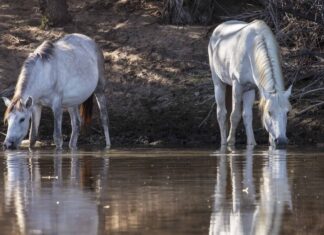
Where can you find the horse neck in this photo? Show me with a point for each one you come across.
(267, 63)
(28, 83)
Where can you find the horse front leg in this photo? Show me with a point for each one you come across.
(57, 136)
(221, 111)
(236, 112)
(35, 120)
(248, 100)
(75, 124)
(101, 99)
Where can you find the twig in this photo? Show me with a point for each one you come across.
(307, 92)
(96, 130)
(309, 108)
(244, 16)
(206, 100)
(193, 61)
(208, 115)
(8, 91)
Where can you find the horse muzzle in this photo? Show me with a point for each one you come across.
(280, 143)
(10, 145)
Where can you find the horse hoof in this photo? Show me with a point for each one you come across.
(73, 148)
(58, 148)
(231, 143)
(251, 143)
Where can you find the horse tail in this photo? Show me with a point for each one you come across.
(86, 111)
(228, 104)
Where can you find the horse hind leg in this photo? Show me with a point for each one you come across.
(101, 98)
(76, 124)
(102, 104)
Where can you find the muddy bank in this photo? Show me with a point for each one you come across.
(159, 86)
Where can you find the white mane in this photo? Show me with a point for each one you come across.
(267, 59)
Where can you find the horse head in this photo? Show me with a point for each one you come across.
(17, 116)
(275, 107)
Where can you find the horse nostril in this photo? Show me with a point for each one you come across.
(9, 145)
(281, 141)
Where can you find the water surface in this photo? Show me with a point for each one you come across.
(243, 191)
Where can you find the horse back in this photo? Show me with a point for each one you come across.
(231, 45)
(77, 67)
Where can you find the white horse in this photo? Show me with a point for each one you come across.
(58, 75)
(245, 56)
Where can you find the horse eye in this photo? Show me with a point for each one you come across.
(269, 113)
(21, 120)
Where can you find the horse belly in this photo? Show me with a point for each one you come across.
(77, 93)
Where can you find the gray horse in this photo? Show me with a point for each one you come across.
(59, 75)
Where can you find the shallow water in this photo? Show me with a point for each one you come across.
(241, 191)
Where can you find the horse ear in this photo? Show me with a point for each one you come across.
(6, 101)
(28, 102)
(288, 91)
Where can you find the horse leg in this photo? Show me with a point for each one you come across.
(33, 133)
(57, 136)
(248, 100)
(100, 96)
(102, 104)
(236, 112)
(75, 124)
(221, 110)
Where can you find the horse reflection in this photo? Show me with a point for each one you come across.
(241, 212)
(51, 200)
(274, 194)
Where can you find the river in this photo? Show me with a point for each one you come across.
(163, 191)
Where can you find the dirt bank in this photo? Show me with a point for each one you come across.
(159, 86)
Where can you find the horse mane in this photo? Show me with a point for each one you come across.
(267, 63)
(15, 102)
(43, 53)
(267, 60)
(280, 100)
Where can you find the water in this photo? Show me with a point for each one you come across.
(242, 191)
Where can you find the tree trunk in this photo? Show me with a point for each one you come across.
(175, 12)
(198, 11)
(55, 12)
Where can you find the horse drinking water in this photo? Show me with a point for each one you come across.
(245, 56)
(58, 75)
